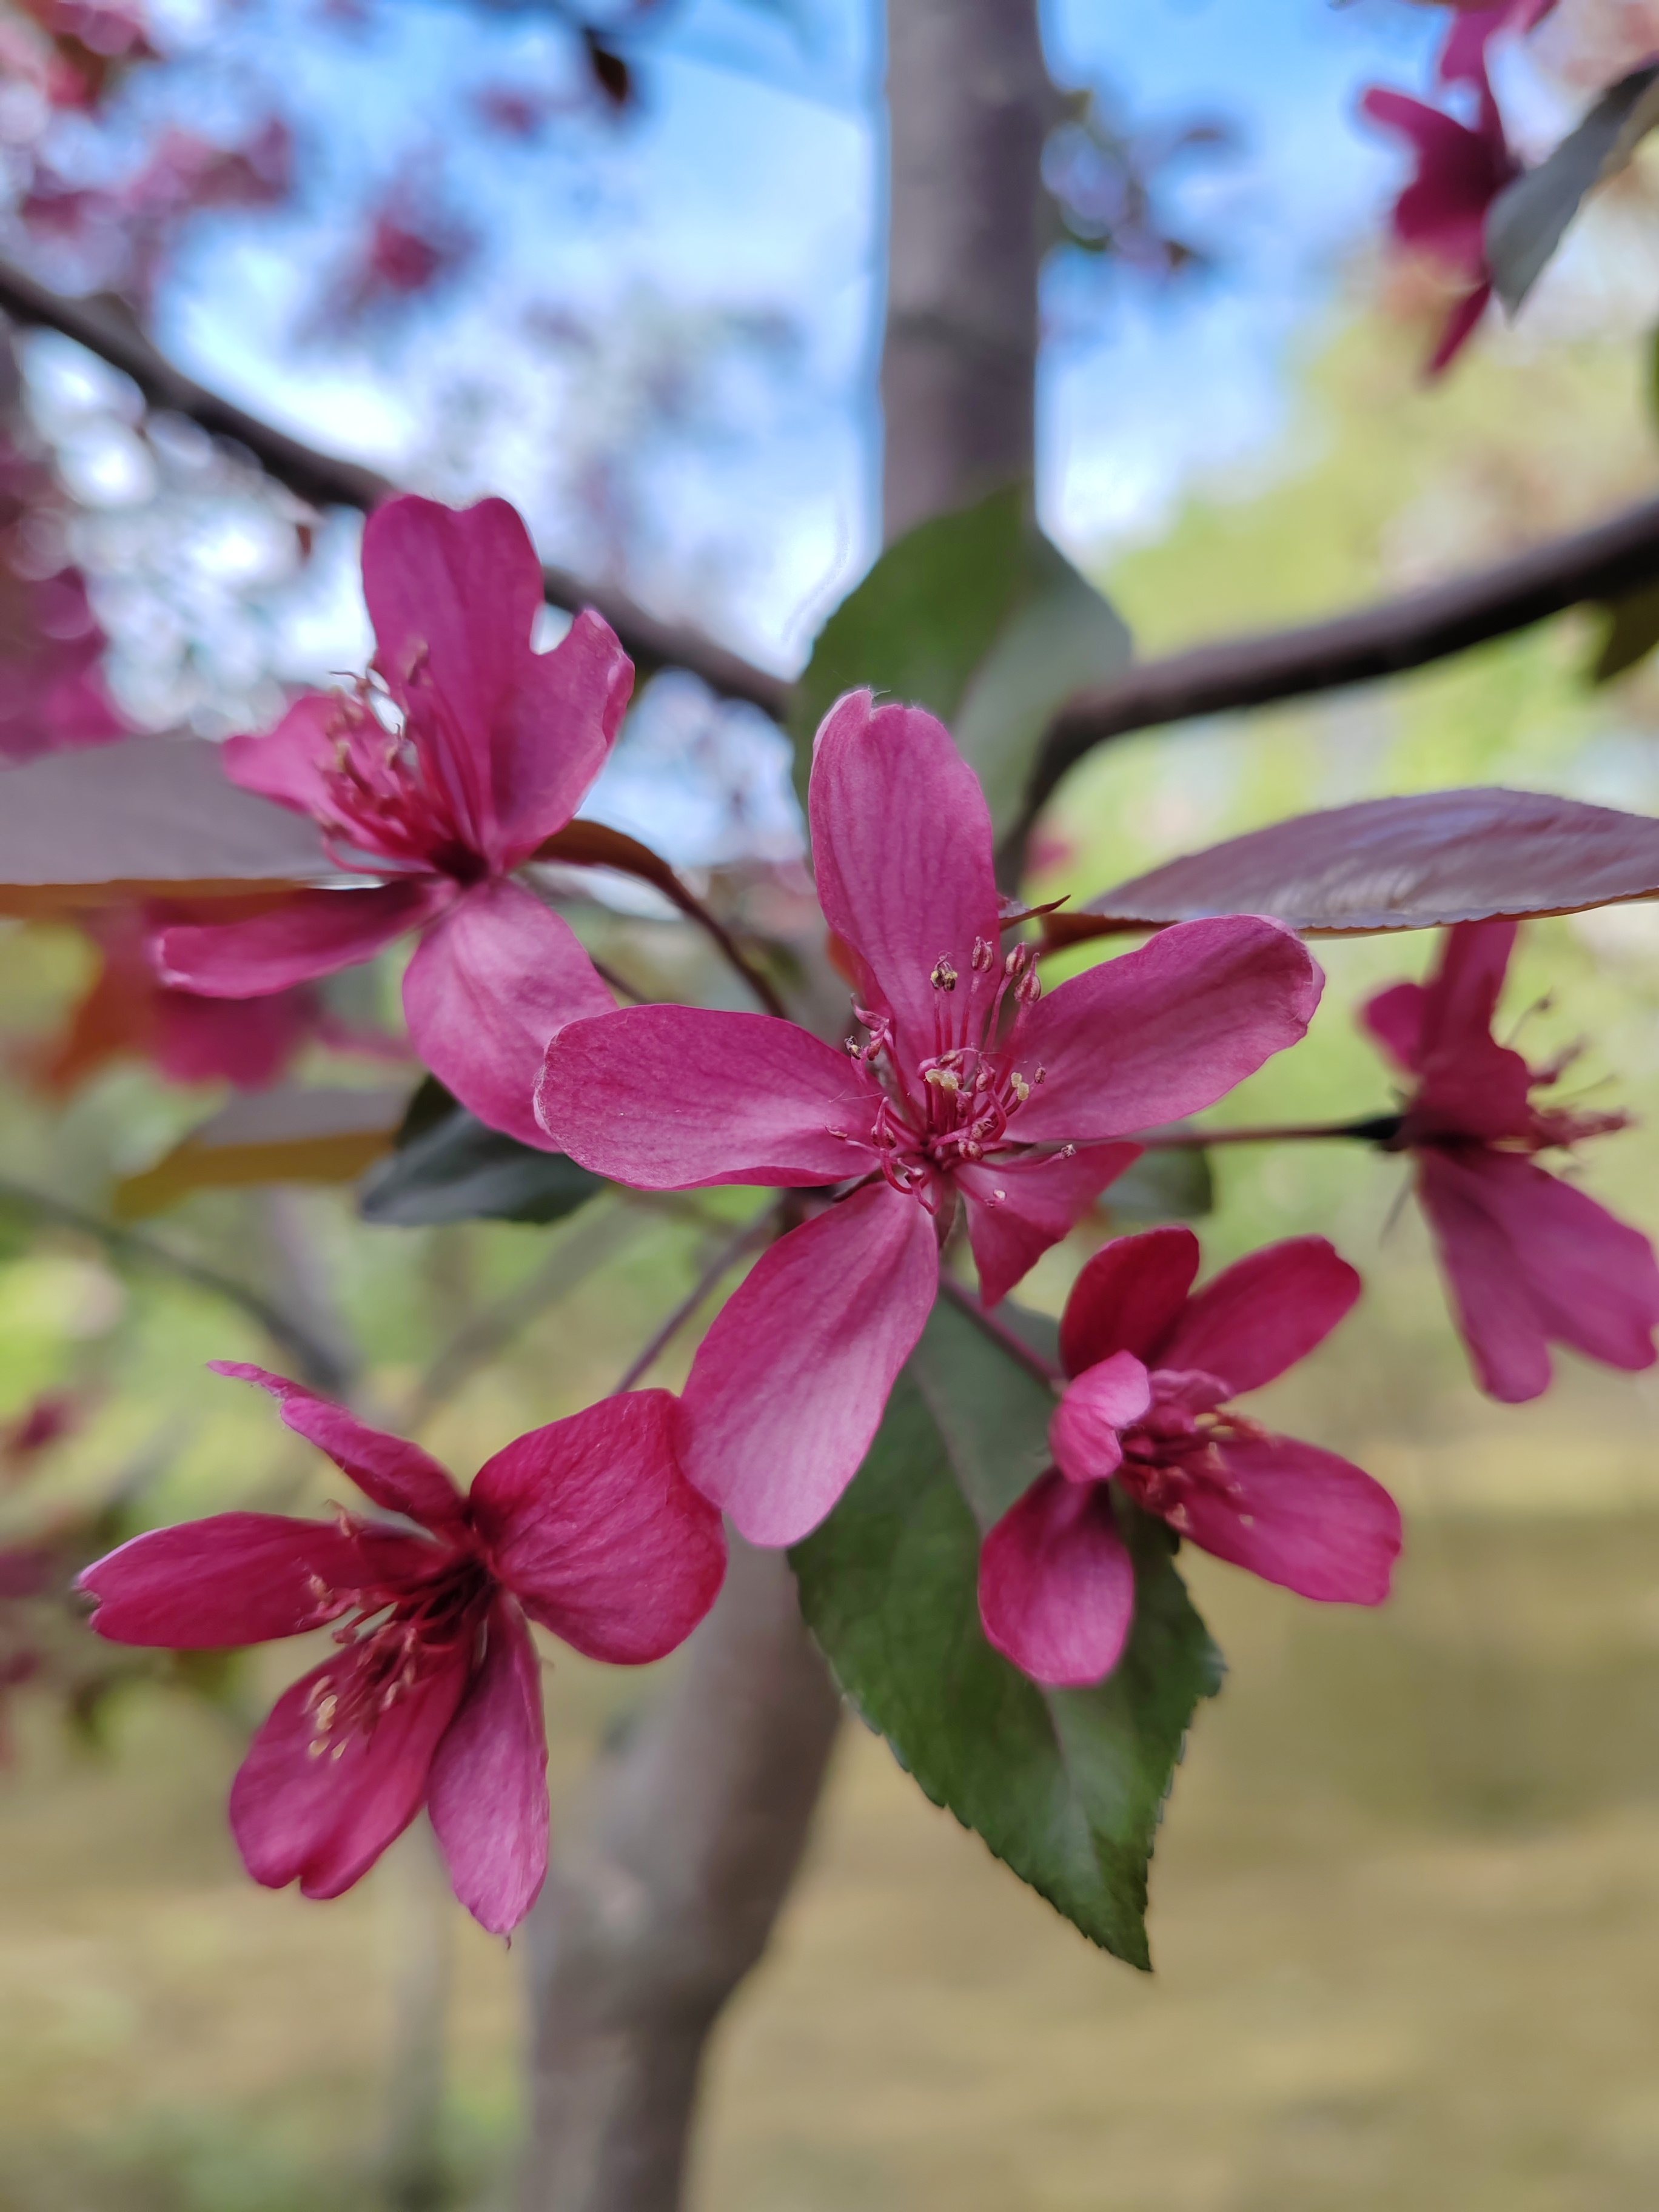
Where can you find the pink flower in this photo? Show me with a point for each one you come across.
(495, 748)
(434, 1697)
(1530, 1260)
(1442, 213)
(971, 1088)
(1154, 1367)
(1463, 57)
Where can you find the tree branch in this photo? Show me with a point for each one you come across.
(1604, 562)
(105, 326)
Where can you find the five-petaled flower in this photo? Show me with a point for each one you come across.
(434, 1697)
(1442, 214)
(970, 1085)
(1147, 1418)
(475, 750)
(1529, 1260)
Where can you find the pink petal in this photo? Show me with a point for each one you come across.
(453, 595)
(1300, 1517)
(553, 734)
(1462, 993)
(288, 763)
(1395, 1018)
(488, 989)
(1264, 1313)
(790, 1384)
(236, 1578)
(311, 934)
(323, 1818)
(675, 1097)
(395, 1474)
(1128, 1297)
(1471, 1085)
(247, 1042)
(1088, 1423)
(488, 1793)
(594, 1528)
(1459, 173)
(1496, 1312)
(1577, 1275)
(902, 853)
(1056, 1584)
(1018, 1208)
(1162, 1031)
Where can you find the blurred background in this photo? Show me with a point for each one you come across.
(627, 270)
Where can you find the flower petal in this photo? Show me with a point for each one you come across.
(488, 1793)
(453, 596)
(247, 1042)
(676, 1098)
(488, 989)
(1018, 1208)
(789, 1386)
(551, 736)
(1471, 1085)
(902, 850)
(1162, 1031)
(1105, 1401)
(288, 763)
(395, 1474)
(1128, 1297)
(1496, 1314)
(323, 1818)
(592, 1526)
(236, 1578)
(312, 935)
(1057, 1585)
(1301, 1517)
(1264, 1313)
(1395, 1017)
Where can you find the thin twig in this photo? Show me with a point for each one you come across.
(1375, 1129)
(757, 1231)
(1009, 1339)
(318, 1364)
(620, 984)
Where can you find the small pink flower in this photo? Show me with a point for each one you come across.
(434, 1698)
(970, 1088)
(1442, 213)
(1145, 1416)
(495, 747)
(1530, 1260)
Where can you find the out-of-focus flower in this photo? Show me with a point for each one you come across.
(53, 1416)
(971, 1088)
(1463, 57)
(493, 749)
(1442, 214)
(1530, 1260)
(85, 46)
(127, 1013)
(52, 693)
(1146, 1415)
(408, 246)
(587, 1528)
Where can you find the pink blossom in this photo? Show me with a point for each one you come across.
(1147, 1418)
(1442, 213)
(1530, 1260)
(496, 748)
(970, 1088)
(1463, 57)
(434, 1698)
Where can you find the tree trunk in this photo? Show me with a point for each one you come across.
(665, 1889)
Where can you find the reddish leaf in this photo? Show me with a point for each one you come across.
(151, 816)
(1416, 863)
(299, 1134)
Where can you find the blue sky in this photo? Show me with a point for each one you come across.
(752, 184)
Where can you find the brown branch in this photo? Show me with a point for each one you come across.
(1606, 562)
(1006, 1339)
(754, 1232)
(105, 326)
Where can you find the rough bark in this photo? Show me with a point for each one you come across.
(969, 103)
(665, 1895)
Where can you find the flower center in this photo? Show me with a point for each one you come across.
(1175, 1452)
(398, 1635)
(383, 797)
(952, 1106)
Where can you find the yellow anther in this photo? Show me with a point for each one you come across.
(944, 975)
(943, 1079)
(1020, 1087)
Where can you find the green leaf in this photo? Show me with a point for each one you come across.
(1631, 631)
(1171, 1183)
(978, 616)
(1066, 1786)
(1529, 218)
(450, 1166)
